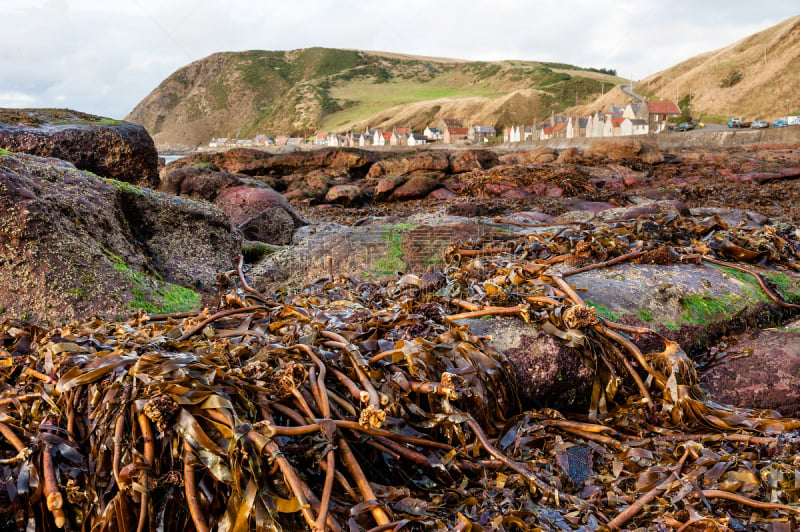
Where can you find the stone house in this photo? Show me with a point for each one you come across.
(446, 123)
(481, 134)
(658, 113)
(398, 137)
(456, 135)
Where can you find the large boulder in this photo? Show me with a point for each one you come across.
(538, 156)
(617, 150)
(73, 245)
(261, 213)
(196, 182)
(761, 371)
(547, 370)
(255, 162)
(409, 162)
(376, 248)
(236, 161)
(109, 148)
(466, 161)
(418, 186)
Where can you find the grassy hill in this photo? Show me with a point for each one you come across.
(301, 92)
(752, 78)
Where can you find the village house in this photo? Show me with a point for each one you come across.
(633, 126)
(218, 143)
(657, 115)
(357, 140)
(417, 139)
(612, 125)
(481, 134)
(377, 137)
(263, 140)
(456, 135)
(576, 127)
(445, 123)
(433, 134)
(399, 138)
(512, 134)
(559, 131)
(335, 141)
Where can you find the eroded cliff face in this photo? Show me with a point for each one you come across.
(109, 148)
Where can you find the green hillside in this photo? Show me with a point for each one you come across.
(301, 92)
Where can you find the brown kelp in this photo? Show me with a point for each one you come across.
(353, 405)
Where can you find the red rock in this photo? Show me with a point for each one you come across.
(406, 163)
(441, 194)
(505, 191)
(386, 185)
(767, 377)
(576, 204)
(343, 194)
(418, 186)
(465, 208)
(538, 156)
(546, 190)
(790, 172)
(466, 161)
(617, 150)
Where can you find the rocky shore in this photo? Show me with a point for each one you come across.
(688, 256)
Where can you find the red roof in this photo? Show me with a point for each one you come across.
(386, 134)
(404, 130)
(560, 126)
(616, 121)
(458, 130)
(663, 108)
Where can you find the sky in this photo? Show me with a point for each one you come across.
(104, 56)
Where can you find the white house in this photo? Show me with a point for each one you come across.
(432, 134)
(633, 126)
(417, 139)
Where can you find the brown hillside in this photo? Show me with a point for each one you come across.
(303, 92)
(766, 64)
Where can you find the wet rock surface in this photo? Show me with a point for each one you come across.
(108, 148)
(762, 370)
(74, 245)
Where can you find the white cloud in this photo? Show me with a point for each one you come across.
(104, 57)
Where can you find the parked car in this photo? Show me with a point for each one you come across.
(738, 123)
(685, 126)
(759, 124)
(779, 123)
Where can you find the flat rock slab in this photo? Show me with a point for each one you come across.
(370, 251)
(681, 301)
(761, 371)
